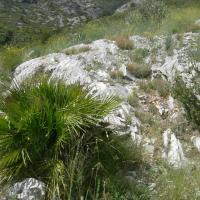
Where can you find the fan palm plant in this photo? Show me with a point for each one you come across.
(54, 133)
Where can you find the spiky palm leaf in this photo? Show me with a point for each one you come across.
(53, 132)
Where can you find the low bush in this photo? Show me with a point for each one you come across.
(5, 35)
(53, 132)
(124, 43)
(188, 97)
(139, 70)
(139, 55)
(116, 74)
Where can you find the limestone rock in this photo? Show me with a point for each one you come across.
(127, 6)
(118, 118)
(196, 142)
(173, 151)
(29, 189)
(171, 104)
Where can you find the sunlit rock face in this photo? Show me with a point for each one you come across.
(173, 151)
(100, 58)
(29, 189)
(196, 142)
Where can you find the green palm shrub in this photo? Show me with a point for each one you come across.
(53, 132)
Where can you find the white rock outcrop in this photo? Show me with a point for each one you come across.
(93, 66)
(173, 151)
(102, 57)
(29, 189)
(196, 142)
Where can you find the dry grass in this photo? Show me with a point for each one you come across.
(193, 28)
(139, 70)
(133, 99)
(124, 43)
(159, 85)
(116, 74)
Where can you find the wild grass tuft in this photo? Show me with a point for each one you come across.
(139, 70)
(159, 85)
(178, 184)
(139, 55)
(124, 43)
(116, 74)
(133, 99)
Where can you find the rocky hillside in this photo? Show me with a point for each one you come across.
(141, 70)
(22, 16)
(153, 118)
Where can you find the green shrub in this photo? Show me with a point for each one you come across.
(139, 55)
(54, 133)
(139, 70)
(188, 97)
(5, 36)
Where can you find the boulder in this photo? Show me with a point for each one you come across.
(173, 151)
(196, 142)
(29, 189)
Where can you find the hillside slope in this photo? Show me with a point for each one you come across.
(148, 57)
(27, 18)
(141, 75)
